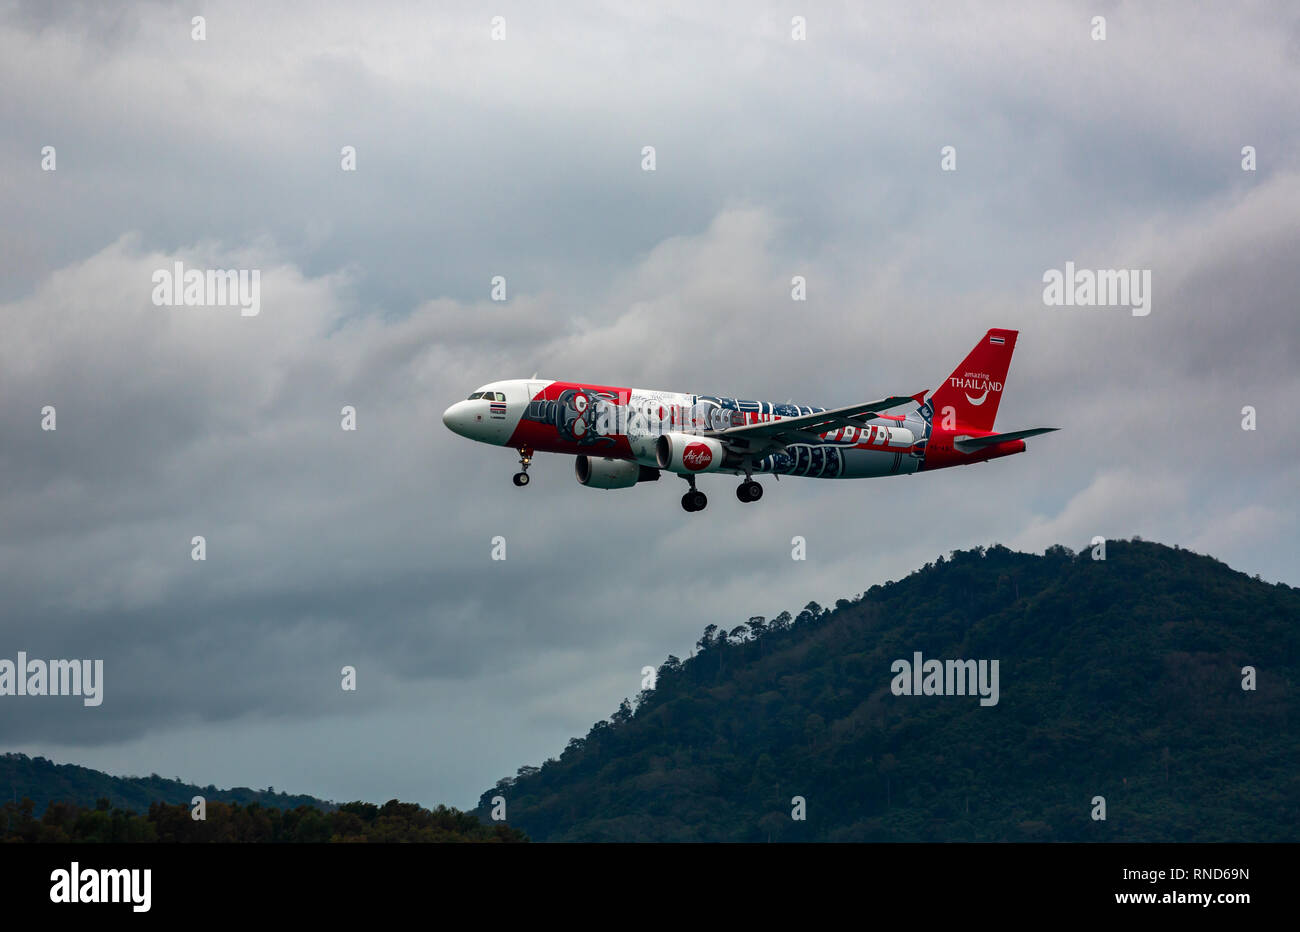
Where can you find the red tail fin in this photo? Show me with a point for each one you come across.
(969, 397)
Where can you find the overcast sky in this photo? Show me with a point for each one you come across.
(523, 158)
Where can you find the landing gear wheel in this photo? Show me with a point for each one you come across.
(694, 501)
(525, 460)
(749, 491)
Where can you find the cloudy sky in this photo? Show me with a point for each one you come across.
(523, 158)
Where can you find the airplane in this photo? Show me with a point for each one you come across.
(624, 436)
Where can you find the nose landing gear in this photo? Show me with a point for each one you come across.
(525, 460)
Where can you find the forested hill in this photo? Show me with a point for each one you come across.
(53, 803)
(43, 782)
(1118, 678)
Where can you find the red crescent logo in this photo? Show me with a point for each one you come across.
(697, 456)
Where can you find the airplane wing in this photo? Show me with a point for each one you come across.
(805, 428)
(971, 444)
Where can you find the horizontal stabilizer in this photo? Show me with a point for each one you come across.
(971, 444)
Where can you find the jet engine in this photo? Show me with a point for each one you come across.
(600, 472)
(691, 453)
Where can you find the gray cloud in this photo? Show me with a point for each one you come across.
(522, 158)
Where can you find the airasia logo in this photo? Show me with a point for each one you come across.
(697, 456)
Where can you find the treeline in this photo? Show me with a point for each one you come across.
(233, 823)
(44, 782)
(1121, 678)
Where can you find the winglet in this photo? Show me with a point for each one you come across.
(919, 397)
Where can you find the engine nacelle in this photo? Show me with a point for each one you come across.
(691, 453)
(599, 472)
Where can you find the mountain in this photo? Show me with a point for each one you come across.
(44, 782)
(1120, 678)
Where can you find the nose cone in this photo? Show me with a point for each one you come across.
(458, 419)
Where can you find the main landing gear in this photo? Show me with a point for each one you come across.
(694, 500)
(525, 460)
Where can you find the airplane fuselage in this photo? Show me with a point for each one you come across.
(623, 436)
(581, 418)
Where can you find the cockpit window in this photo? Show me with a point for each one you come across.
(501, 396)
(474, 396)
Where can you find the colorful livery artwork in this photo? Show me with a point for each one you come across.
(623, 436)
